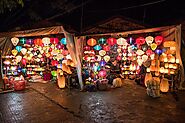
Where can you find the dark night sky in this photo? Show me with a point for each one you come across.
(68, 12)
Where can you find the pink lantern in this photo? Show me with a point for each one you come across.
(102, 73)
(23, 61)
(159, 40)
(118, 58)
(111, 41)
(140, 41)
(54, 40)
(59, 46)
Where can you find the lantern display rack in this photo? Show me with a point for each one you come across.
(33, 69)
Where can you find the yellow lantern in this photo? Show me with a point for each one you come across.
(175, 66)
(152, 56)
(170, 65)
(14, 52)
(165, 59)
(106, 58)
(172, 72)
(153, 46)
(166, 71)
(166, 65)
(172, 59)
(148, 70)
(148, 77)
(164, 86)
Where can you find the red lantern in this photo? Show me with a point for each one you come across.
(65, 52)
(149, 52)
(54, 62)
(23, 61)
(91, 42)
(118, 58)
(159, 40)
(50, 49)
(106, 47)
(87, 48)
(140, 41)
(111, 41)
(38, 41)
(54, 40)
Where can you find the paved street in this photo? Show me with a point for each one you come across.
(42, 103)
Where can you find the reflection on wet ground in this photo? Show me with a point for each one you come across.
(45, 102)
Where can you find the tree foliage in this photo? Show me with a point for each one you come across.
(8, 5)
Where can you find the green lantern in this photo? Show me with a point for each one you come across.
(22, 41)
(102, 41)
(54, 73)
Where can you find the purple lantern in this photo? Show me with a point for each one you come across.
(102, 63)
(158, 51)
(29, 41)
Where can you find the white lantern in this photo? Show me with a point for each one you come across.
(46, 41)
(122, 41)
(15, 41)
(177, 61)
(149, 40)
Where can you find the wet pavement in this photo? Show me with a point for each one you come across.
(42, 103)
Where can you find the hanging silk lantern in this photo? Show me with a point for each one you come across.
(97, 47)
(87, 48)
(106, 47)
(23, 61)
(102, 73)
(102, 41)
(18, 48)
(144, 58)
(140, 41)
(139, 52)
(54, 62)
(158, 51)
(23, 51)
(149, 40)
(102, 63)
(46, 41)
(14, 41)
(54, 73)
(169, 44)
(19, 69)
(63, 41)
(22, 41)
(144, 47)
(149, 52)
(158, 40)
(24, 70)
(14, 52)
(153, 46)
(102, 52)
(18, 58)
(91, 42)
(6, 62)
(130, 40)
(119, 50)
(122, 41)
(38, 41)
(148, 70)
(164, 85)
(98, 58)
(54, 40)
(111, 41)
(106, 58)
(118, 58)
(59, 46)
(161, 70)
(29, 41)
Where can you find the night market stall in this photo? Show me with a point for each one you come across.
(150, 56)
(38, 55)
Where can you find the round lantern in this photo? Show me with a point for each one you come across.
(59, 46)
(18, 58)
(23, 61)
(91, 42)
(158, 51)
(14, 41)
(122, 41)
(140, 41)
(139, 52)
(6, 62)
(164, 86)
(19, 69)
(24, 70)
(38, 41)
(106, 58)
(23, 51)
(98, 58)
(118, 58)
(149, 52)
(46, 41)
(106, 47)
(87, 48)
(14, 52)
(97, 47)
(54, 40)
(102, 52)
(29, 41)
(111, 41)
(102, 73)
(102, 63)
(22, 41)
(54, 73)
(153, 46)
(149, 40)
(158, 40)
(144, 58)
(54, 62)
(18, 48)
(161, 70)
(102, 41)
(63, 41)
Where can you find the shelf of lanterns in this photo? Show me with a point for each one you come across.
(34, 69)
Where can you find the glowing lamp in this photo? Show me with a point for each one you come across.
(87, 48)
(19, 69)
(111, 41)
(65, 52)
(169, 44)
(91, 42)
(59, 46)
(166, 65)
(18, 48)
(144, 58)
(102, 41)
(29, 41)
(46, 41)
(22, 41)
(54, 40)
(159, 40)
(38, 41)
(118, 58)
(175, 66)
(148, 77)
(177, 61)
(54, 73)
(106, 47)
(102, 52)
(164, 85)
(23, 51)
(54, 62)
(14, 52)
(172, 72)
(23, 61)
(170, 65)
(18, 58)
(158, 51)
(172, 59)
(6, 62)
(140, 41)
(98, 58)
(130, 40)
(102, 73)
(97, 47)
(122, 41)
(149, 40)
(165, 59)
(139, 52)
(149, 52)
(106, 58)
(153, 46)
(24, 70)
(14, 41)
(102, 63)
(161, 70)
(63, 41)
(148, 70)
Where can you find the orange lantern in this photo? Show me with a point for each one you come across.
(148, 77)
(92, 42)
(169, 44)
(38, 41)
(164, 86)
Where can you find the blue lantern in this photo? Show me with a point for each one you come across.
(158, 51)
(102, 41)
(63, 41)
(22, 41)
(18, 48)
(102, 63)
(97, 47)
(19, 69)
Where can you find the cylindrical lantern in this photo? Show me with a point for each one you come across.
(164, 86)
